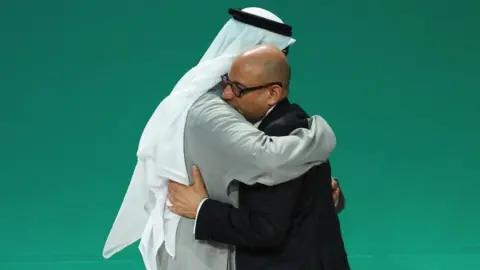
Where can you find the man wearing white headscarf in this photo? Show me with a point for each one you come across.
(195, 126)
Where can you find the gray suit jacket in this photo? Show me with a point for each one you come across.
(225, 147)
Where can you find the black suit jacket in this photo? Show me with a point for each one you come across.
(291, 226)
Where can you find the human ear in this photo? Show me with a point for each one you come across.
(274, 95)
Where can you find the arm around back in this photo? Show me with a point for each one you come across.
(256, 157)
(221, 222)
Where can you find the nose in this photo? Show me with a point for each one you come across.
(227, 93)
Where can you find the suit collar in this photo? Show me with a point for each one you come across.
(280, 109)
(260, 121)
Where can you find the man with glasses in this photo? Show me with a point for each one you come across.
(293, 225)
(237, 89)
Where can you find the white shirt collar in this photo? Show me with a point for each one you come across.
(259, 122)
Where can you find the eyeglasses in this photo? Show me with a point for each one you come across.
(239, 90)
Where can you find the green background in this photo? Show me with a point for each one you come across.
(397, 80)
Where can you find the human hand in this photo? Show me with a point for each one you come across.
(335, 191)
(186, 199)
(338, 198)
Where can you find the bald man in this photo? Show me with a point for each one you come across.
(289, 226)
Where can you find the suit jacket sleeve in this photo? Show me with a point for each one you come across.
(266, 227)
(254, 156)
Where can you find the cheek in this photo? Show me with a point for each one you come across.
(257, 102)
(247, 102)
(251, 107)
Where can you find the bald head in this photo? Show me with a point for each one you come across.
(265, 64)
(253, 83)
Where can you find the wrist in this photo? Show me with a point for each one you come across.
(199, 206)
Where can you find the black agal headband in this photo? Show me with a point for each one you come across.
(260, 22)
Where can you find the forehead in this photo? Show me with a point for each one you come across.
(245, 72)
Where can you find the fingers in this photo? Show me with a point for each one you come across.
(174, 196)
(174, 189)
(171, 198)
(334, 183)
(197, 177)
(335, 199)
(335, 192)
(176, 210)
(175, 186)
(171, 187)
(176, 204)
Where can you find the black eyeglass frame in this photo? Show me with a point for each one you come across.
(244, 90)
